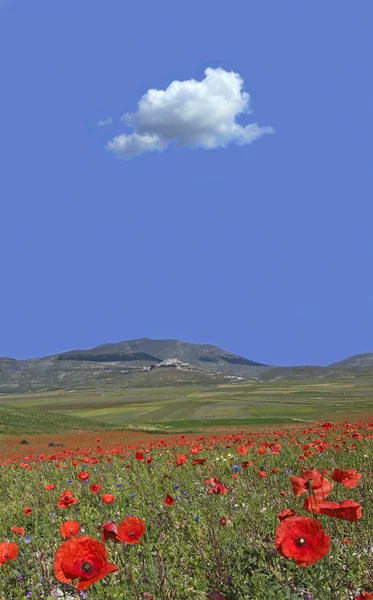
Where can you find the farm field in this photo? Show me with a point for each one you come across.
(285, 513)
(190, 408)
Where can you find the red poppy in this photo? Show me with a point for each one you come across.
(181, 460)
(275, 470)
(303, 539)
(69, 528)
(8, 551)
(365, 596)
(83, 475)
(169, 500)
(262, 474)
(108, 498)
(130, 530)
(74, 462)
(285, 514)
(27, 510)
(223, 521)
(139, 455)
(242, 450)
(96, 488)
(82, 557)
(50, 487)
(311, 479)
(348, 510)
(109, 531)
(198, 461)
(349, 478)
(19, 530)
(247, 463)
(66, 499)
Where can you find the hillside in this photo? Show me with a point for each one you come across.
(158, 363)
(143, 362)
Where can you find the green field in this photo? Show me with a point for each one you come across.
(189, 407)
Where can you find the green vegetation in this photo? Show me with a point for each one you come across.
(189, 407)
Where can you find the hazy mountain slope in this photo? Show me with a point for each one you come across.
(356, 361)
(117, 365)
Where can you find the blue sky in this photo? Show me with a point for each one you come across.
(263, 248)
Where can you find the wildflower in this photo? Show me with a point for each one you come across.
(27, 510)
(69, 528)
(19, 530)
(349, 478)
(288, 512)
(50, 487)
(109, 531)
(108, 498)
(169, 500)
(8, 551)
(84, 558)
(130, 530)
(66, 499)
(303, 539)
(83, 475)
(311, 479)
(96, 488)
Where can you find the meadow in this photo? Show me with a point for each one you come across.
(189, 408)
(227, 493)
(208, 510)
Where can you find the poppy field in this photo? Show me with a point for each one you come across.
(281, 514)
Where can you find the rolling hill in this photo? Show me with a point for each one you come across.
(157, 363)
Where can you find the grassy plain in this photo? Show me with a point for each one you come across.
(189, 408)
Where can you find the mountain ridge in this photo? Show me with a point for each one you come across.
(152, 362)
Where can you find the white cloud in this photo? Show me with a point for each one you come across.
(107, 121)
(198, 114)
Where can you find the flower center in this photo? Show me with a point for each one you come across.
(86, 567)
(6, 555)
(300, 542)
(131, 533)
(66, 498)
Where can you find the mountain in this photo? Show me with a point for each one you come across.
(357, 361)
(150, 363)
(144, 362)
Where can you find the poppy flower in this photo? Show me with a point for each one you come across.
(8, 551)
(50, 487)
(365, 596)
(181, 460)
(285, 514)
(348, 510)
(311, 480)
(74, 462)
(198, 461)
(275, 470)
(262, 474)
(69, 528)
(139, 455)
(349, 478)
(130, 530)
(83, 475)
(169, 500)
(247, 463)
(109, 531)
(303, 539)
(108, 498)
(242, 450)
(27, 510)
(19, 530)
(66, 499)
(82, 557)
(96, 488)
